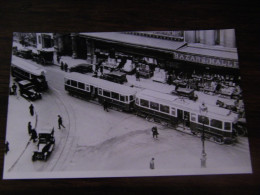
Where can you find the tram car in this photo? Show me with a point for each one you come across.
(87, 87)
(217, 123)
(46, 143)
(23, 70)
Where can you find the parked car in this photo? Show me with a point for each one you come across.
(46, 143)
(24, 53)
(116, 77)
(43, 57)
(184, 92)
(27, 90)
(82, 68)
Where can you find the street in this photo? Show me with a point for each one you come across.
(95, 140)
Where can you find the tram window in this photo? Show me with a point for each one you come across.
(174, 111)
(216, 123)
(126, 98)
(99, 91)
(144, 103)
(106, 93)
(203, 119)
(115, 96)
(227, 126)
(193, 117)
(154, 105)
(87, 88)
(131, 98)
(137, 101)
(164, 108)
(81, 85)
(67, 82)
(122, 98)
(73, 83)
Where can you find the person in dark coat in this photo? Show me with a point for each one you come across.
(14, 87)
(60, 122)
(152, 164)
(31, 108)
(65, 67)
(105, 105)
(155, 132)
(137, 75)
(6, 147)
(29, 128)
(33, 135)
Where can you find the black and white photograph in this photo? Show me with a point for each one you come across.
(125, 104)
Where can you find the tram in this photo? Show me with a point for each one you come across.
(217, 123)
(91, 88)
(23, 70)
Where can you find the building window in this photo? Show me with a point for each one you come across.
(197, 36)
(217, 37)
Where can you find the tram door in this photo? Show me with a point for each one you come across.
(94, 92)
(180, 115)
(187, 118)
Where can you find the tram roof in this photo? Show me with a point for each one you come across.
(186, 105)
(104, 84)
(30, 68)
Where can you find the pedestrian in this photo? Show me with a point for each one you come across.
(14, 87)
(33, 135)
(137, 75)
(152, 164)
(155, 132)
(29, 128)
(65, 67)
(105, 105)
(31, 108)
(6, 147)
(60, 122)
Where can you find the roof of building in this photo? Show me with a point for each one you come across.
(135, 40)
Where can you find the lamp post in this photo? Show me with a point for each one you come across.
(203, 111)
(203, 153)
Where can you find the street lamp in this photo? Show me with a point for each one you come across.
(203, 111)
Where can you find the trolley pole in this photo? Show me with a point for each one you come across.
(203, 153)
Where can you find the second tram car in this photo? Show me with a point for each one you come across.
(89, 87)
(23, 70)
(217, 123)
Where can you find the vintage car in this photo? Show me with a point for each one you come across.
(43, 57)
(24, 52)
(27, 90)
(46, 143)
(82, 68)
(116, 77)
(184, 92)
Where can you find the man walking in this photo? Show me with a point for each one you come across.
(155, 132)
(14, 87)
(60, 122)
(29, 128)
(6, 147)
(33, 135)
(31, 108)
(105, 105)
(152, 164)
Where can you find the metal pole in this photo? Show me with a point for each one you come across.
(203, 154)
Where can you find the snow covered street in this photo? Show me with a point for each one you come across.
(113, 142)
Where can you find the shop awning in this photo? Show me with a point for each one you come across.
(134, 40)
(208, 55)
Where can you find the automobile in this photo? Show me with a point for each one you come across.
(116, 77)
(24, 52)
(43, 57)
(46, 143)
(82, 68)
(185, 92)
(27, 90)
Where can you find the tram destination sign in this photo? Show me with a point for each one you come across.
(215, 61)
